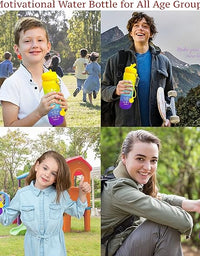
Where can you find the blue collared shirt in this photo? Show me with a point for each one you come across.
(43, 218)
(6, 68)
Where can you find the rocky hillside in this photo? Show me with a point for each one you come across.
(111, 35)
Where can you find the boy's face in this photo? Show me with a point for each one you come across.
(33, 46)
(141, 32)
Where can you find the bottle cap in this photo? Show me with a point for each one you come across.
(131, 69)
(50, 75)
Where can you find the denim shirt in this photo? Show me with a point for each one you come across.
(43, 218)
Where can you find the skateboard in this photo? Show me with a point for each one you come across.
(163, 106)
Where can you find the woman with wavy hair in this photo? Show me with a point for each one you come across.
(136, 220)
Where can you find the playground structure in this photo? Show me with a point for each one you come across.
(78, 166)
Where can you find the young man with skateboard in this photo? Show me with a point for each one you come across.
(154, 70)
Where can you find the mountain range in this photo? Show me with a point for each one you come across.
(185, 76)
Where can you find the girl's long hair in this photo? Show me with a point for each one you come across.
(150, 188)
(63, 181)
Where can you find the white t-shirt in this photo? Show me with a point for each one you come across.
(80, 65)
(21, 90)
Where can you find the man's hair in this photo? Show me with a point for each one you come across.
(25, 24)
(138, 16)
(7, 55)
(83, 52)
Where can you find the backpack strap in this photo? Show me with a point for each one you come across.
(123, 56)
(117, 230)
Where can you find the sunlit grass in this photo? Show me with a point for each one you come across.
(78, 242)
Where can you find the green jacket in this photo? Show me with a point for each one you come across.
(123, 197)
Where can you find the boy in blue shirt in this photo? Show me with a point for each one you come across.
(6, 67)
(154, 71)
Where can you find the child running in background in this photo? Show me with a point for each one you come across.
(22, 97)
(6, 67)
(79, 67)
(92, 84)
(42, 203)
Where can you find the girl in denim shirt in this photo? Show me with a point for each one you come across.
(42, 204)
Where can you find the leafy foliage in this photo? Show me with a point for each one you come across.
(13, 151)
(84, 31)
(7, 20)
(188, 108)
(179, 161)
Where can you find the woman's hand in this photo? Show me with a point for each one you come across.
(191, 205)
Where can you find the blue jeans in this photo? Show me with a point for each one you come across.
(80, 83)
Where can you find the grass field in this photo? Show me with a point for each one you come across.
(79, 114)
(78, 242)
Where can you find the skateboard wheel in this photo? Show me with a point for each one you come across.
(174, 119)
(172, 93)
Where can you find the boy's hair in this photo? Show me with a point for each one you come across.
(83, 52)
(138, 16)
(63, 181)
(7, 55)
(94, 56)
(145, 137)
(25, 24)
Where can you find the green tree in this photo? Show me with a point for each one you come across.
(14, 148)
(84, 31)
(81, 139)
(111, 141)
(188, 108)
(50, 140)
(7, 20)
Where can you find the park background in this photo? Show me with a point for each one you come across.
(178, 169)
(68, 32)
(20, 148)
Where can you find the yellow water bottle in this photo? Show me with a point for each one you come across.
(130, 74)
(50, 83)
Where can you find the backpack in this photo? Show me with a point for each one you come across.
(108, 108)
(108, 175)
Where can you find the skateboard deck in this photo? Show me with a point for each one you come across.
(161, 103)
